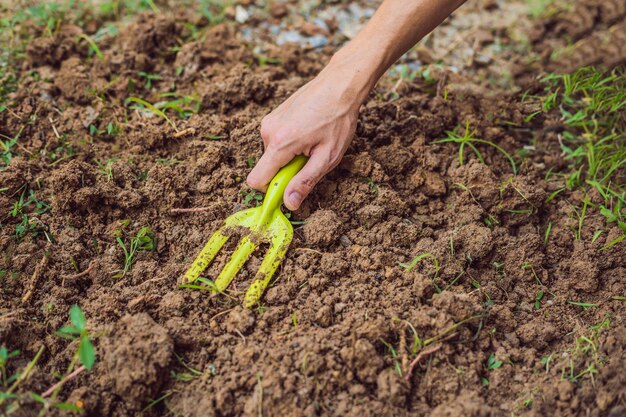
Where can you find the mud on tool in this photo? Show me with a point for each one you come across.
(266, 224)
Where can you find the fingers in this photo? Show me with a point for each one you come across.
(267, 167)
(304, 181)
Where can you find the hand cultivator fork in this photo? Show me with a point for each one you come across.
(266, 224)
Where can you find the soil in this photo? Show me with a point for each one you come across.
(334, 334)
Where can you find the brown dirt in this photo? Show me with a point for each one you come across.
(320, 342)
(590, 32)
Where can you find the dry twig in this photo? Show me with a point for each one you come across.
(418, 358)
(65, 379)
(35, 277)
(190, 210)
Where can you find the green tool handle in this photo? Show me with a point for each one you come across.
(275, 190)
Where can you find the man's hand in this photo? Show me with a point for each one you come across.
(320, 118)
(317, 121)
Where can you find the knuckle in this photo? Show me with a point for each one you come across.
(279, 140)
(266, 127)
(282, 136)
(253, 182)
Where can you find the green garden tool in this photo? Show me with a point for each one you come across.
(267, 224)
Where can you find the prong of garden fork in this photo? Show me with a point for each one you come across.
(237, 260)
(281, 233)
(213, 246)
(205, 256)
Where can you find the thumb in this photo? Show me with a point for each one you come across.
(303, 183)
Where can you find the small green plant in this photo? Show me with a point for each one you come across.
(27, 224)
(393, 353)
(7, 149)
(584, 305)
(207, 285)
(370, 183)
(5, 355)
(420, 347)
(149, 78)
(12, 382)
(146, 106)
(546, 236)
(189, 375)
(93, 46)
(263, 60)
(419, 258)
(184, 105)
(144, 240)
(492, 363)
(252, 196)
(106, 168)
(468, 139)
(167, 161)
(78, 331)
(538, 299)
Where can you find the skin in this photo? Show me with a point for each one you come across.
(319, 120)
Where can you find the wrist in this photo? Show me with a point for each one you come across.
(356, 70)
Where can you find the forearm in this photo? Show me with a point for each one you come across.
(395, 27)
(319, 120)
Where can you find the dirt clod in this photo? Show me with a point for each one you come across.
(136, 355)
(322, 228)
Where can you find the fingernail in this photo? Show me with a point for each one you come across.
(295, 198)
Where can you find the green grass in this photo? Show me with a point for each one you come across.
(409, 266)
(5, 356)
(468, 139)
(23, 209)
(106, 168)
(146, 106)
(6, 147)
(591, 106)
(93, 46)
(144, 240)
(8, 392)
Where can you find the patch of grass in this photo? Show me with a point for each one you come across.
(467, 138)
(93, 46)
(21, 210)
(539, 8)
(5, 356)
(144, 240)
(106, 168)
(592, 108)
(146, 106)
(584, 359)
(149, 78)
(7, 149)
(184, 105)
(16, 379)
